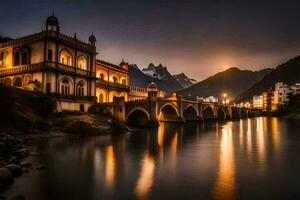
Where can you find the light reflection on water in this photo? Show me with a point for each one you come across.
(245, 159)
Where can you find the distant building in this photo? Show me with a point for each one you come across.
(210, 99)
(59, 65)
(268, 101)
(137, 93)
(140, 93)
(258, 102)
(113, 81)
(282, 95)
(296, 89)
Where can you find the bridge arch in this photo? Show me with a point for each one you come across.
(221, 114)
(138, 116)
(168, 112)
(235, 113)
(244, 114)
(208, 113)
(227, 112)
(190, 113)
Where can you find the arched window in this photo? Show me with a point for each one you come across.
(115, 79)
(7, 82)
(65, 87)
(101, 97)
(24, 60)
(17, 58)
(1, 59)
(102, 76)
(124, 81)
(18, 82)
(82, 62)
(66, 57)
(27, 79)
(80, 89)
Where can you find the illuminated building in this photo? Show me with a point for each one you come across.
(54, 63)
(258, 101)
(140, 93)
(268, 101)
(210, 99)
(113, 81)
(282, 95)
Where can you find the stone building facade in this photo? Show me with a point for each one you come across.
(57, 64)
(112, 81)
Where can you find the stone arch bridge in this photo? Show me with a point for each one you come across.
(149, 112)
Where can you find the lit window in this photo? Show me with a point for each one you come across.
(80, 89)
(82, 63)
(65, 87)
(66, 57)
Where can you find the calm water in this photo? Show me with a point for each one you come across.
(248, 159)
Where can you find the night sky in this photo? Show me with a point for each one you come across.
(199, 38)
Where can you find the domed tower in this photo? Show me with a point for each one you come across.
(124, 65)
(92, 40)
(52, 23)
(152, 91)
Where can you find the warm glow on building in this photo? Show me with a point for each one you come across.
(258, 102)
(112, 81)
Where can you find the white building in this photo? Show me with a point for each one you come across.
(282, 94)
(296, 88)
(211, 99)
(258, 101)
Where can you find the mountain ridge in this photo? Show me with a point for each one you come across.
(232, 81)
(287, 72)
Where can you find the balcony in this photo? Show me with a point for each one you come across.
(21, 69)
(69, 69)
(107, 84)
(44, 65)
(73, 97)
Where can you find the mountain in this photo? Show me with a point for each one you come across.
(4, 39)
(232, 81)
(288, 73)
(184, 81)
(158, 74)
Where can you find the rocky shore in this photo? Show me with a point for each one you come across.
(16, 146)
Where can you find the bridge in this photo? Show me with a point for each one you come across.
(150, 111)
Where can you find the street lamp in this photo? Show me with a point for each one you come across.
(225, 100)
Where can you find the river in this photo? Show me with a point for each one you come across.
(256, 158)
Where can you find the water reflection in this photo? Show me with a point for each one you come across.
(235, 160)
(110, 167)
(145, 180)
(260, 142)
(225, 187)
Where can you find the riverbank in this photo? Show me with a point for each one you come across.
(27, 117)
(17, 145)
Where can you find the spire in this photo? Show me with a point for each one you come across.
(75, 36)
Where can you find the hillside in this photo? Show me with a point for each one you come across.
(232, 81)
(184, 81)
(22, 109)
(159, 74)
(288, 73)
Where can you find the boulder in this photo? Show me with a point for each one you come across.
(6, 177)
(80, 127)
(15, 169)
(41, 167)
(2, 163)
(25, 164)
